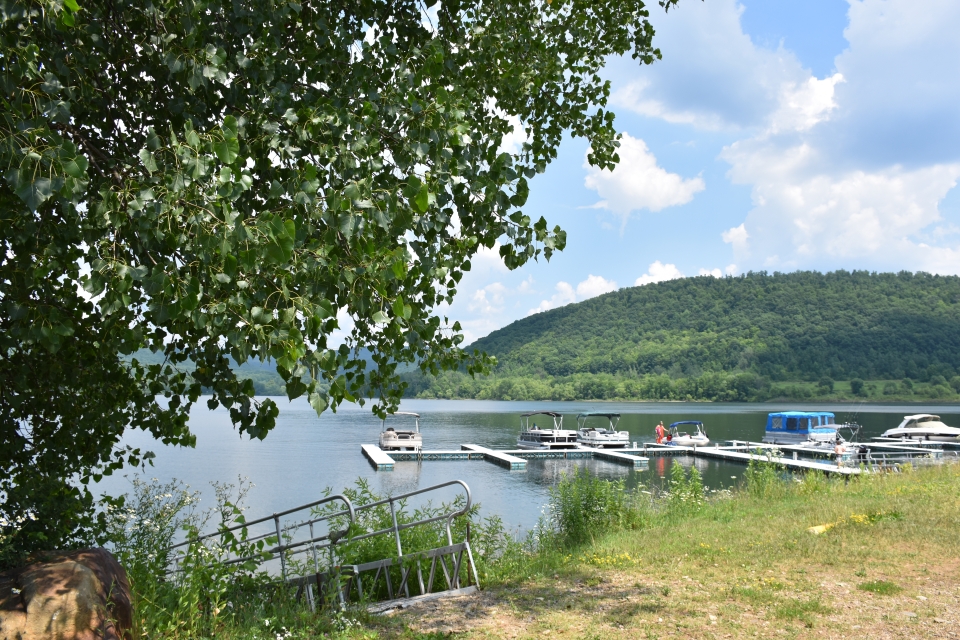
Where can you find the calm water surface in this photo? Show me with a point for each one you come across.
(306, 454)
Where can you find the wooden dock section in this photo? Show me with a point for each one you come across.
(377, 457)
(498, 457)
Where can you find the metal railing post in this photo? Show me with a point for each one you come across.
(283, 560)
(396, 528)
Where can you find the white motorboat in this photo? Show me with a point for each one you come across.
(601, 437)
(392, 439)
(687, 439)
(550, 437)
(923, 426)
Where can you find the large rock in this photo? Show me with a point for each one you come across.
(77, 595)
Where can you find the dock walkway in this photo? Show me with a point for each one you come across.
(377, 457)
(885, 454)
(498, 457)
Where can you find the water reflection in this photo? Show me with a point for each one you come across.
(306, 454)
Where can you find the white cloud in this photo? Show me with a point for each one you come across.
(716, 273)
(485, 260)
(737, 236)
(712, 76)
(731, 270)
(594, 286)
(658, 272)
(805, 104)
(565, 295)
(489, 299)
(638, 183)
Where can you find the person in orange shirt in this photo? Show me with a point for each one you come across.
(660, 432)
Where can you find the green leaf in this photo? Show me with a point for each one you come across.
(421, 202)
(35, 192)
(76, 167)
(319, 401)
(149, 162)
(71, 5)
(379, 317)
(227, 150)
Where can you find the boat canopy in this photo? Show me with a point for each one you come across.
(613, 418)
(696, 422)
(800, 421)
(416, 416)
(555, 416)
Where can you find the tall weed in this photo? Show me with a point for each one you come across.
(764, 477)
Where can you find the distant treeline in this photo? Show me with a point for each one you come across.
(716, 387)
(752, 337)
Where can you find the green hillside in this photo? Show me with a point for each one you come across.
(749, 337)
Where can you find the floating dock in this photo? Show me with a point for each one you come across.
(501, 458)
(881, 455)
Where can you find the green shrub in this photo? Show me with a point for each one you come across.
(583, 507)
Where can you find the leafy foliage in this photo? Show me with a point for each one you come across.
(216, 180)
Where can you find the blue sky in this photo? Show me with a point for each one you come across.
(774, 135)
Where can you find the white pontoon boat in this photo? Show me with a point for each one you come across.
(392, 439)
(601, 437)
(550, 437)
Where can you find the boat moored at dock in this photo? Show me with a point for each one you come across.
(923, 426)
(696, 437)
(552, 437)
(601, 437)
(392, 439)
(801, 427)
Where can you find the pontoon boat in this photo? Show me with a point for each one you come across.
(601, 437)
(401, 440)
(551, 437)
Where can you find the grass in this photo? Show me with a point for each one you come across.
(880, 587)
(744, 566)
(739, 565)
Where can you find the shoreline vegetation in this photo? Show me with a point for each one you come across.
(608, 562)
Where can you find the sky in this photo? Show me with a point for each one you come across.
(774, 135)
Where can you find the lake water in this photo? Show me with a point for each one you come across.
(305, 454)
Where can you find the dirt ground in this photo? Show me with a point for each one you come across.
(625, 604)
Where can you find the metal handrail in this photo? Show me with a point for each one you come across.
(333, 537)
(397, 528)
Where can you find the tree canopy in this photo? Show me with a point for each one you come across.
(785, 326)
(216, 179)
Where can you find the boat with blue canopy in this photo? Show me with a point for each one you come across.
(801, 427)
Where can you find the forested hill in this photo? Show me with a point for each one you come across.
(793, 326)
